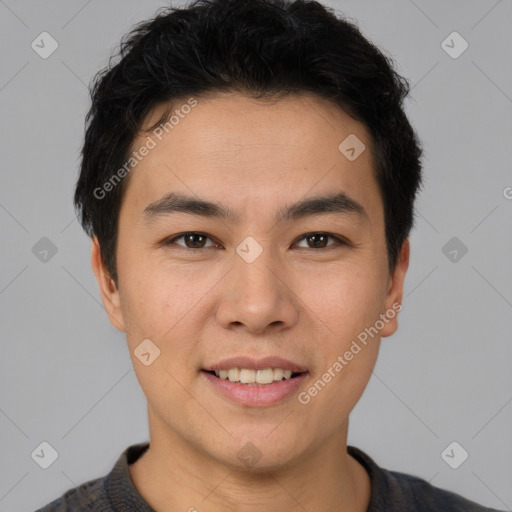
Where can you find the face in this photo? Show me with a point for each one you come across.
(286, 271)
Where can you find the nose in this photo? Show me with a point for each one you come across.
(258, 296)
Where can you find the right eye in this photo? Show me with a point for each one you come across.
(192, 240)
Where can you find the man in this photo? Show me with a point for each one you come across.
(248, 179)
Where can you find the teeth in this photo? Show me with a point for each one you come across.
(278, 374)
(265, 376)
(233, 374)
(246, 376)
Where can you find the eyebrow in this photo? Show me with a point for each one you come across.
(174, 202)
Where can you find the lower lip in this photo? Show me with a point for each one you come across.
(254, 395)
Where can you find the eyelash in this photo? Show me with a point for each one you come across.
(339, 240)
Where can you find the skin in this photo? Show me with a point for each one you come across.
(296, 301)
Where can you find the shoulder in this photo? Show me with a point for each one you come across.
(420, 495)
(88, 497)
(402, 492)
(114, 491)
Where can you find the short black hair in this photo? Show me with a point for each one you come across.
(264, 49)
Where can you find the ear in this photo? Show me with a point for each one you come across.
(395, 291)
(109, 292)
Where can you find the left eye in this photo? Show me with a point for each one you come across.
(196, 240)
(319, 240)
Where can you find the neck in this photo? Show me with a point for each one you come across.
(172, 475)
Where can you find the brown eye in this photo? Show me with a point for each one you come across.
(192, 240)
(317, 240)
(320, 240)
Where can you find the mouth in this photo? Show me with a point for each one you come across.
(255, 383)
(248, 376)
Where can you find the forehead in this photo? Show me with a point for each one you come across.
(241, 122)
(251, 153)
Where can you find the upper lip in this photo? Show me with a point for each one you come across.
(256, 364)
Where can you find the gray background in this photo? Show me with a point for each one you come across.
(65, 373)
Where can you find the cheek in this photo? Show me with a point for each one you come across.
(346, 347)
(144, 298)
(349, 303)
(345, 300)
(158, 301)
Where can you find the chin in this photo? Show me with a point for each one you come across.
(260, 448)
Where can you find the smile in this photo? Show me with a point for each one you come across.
(253, 388)
(248, 376)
